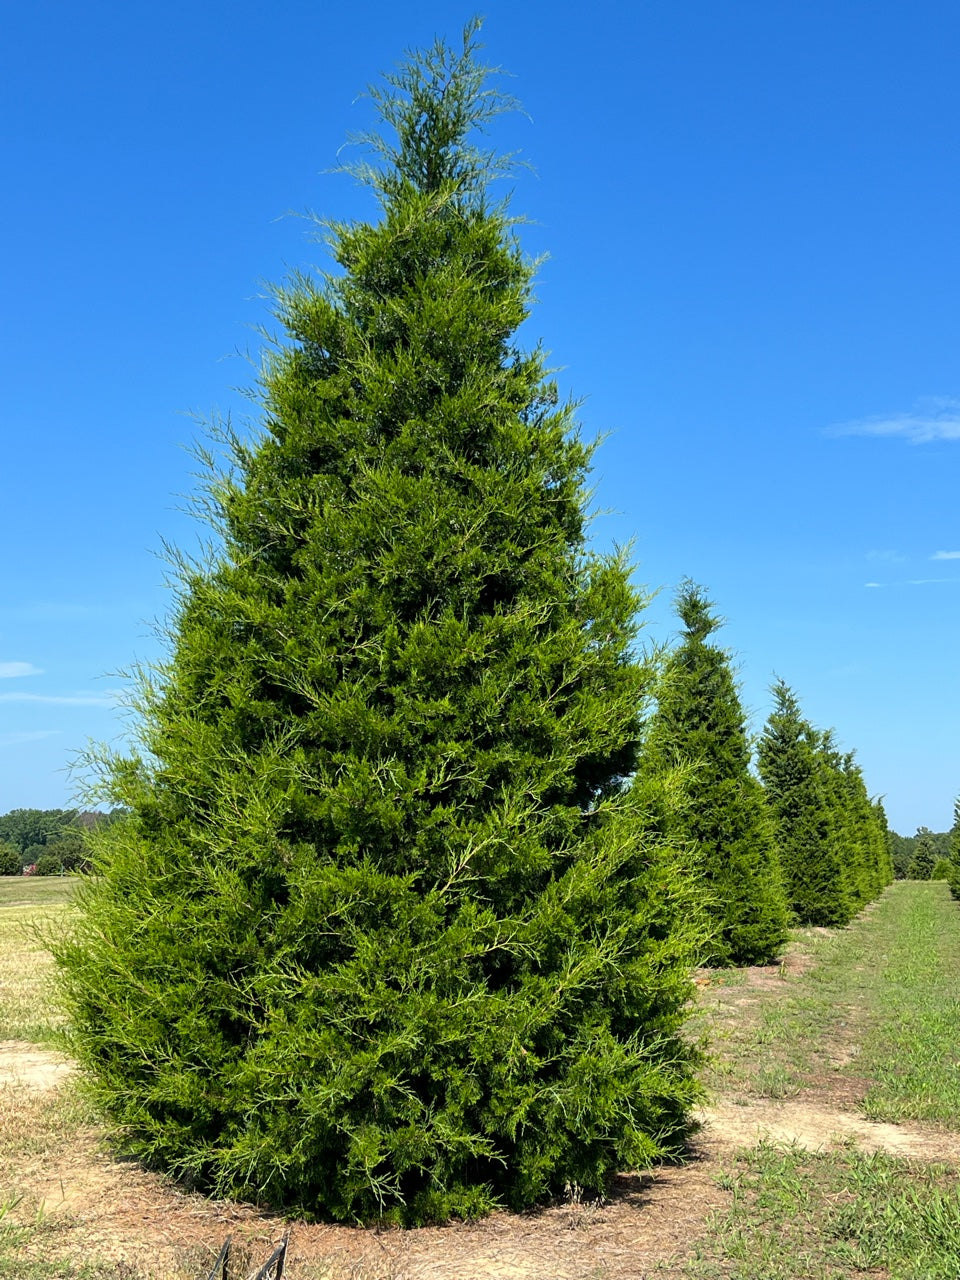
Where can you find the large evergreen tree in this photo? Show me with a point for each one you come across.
(384, 933)
(793, 781)
(724, 818)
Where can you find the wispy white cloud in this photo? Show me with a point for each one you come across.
(8, 670)
(946, 555)
(15, 739)
(108, 699)
(905, 582)
(932, 418)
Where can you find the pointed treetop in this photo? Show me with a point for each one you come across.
(433, 103)
(785, 700)
(695, 611)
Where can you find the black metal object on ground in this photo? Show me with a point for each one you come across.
(272, 1269)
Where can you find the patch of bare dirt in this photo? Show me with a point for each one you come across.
(24, 1064)
(817, 1128)
(114, 1210)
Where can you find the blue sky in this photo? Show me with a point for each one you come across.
(751, 213)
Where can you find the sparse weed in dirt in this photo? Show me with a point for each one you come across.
(818, 1216)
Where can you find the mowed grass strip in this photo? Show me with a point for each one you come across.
(911, 1050)
(800, 1215)
(881, 1004)
(26, 1006)
(875, 1015)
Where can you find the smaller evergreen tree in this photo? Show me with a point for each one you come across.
(724, 817)
(900, 850)
(867, 845)
(953, 876)
(794, 783)
(882, 843)
(924, 855)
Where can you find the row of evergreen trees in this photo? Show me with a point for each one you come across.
(803, 842)
(401, 920)
(831, 838)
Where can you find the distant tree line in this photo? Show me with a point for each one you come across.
(923, 856)
(53, 841)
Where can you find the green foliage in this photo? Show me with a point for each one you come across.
(794, 783)
(24, 828)
(857, 825)
(383, 933)
(61, 832)
(901, 851)
(939, 844)
(942, 869)
(10, 864)
(723, 819)
(924, 855)
(69, 849)
(48, 864)
(953, 876)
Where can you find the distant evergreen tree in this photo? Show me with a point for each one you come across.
(882, 844)
(724, 819)
(924, 855)
(857, 825)
(953, 876)
(901, 851)
(867, 854)
(383, 934)
(794, 783)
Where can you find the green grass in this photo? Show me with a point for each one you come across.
(26, 1005)
(36, 891)
(911, 1050)
(797, 1215)
(879, 1006)
(876, 1020)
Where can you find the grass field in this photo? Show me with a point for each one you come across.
(25, 903)
(836, 1215)
(870, 1025)
(857, 1028)
(36, 891)
(880, 1000)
